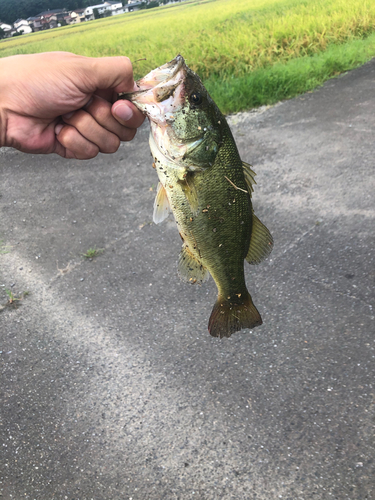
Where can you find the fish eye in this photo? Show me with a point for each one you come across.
(195, 98)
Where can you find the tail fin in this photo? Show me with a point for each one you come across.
(232, 314)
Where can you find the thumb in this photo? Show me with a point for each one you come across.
(114, 73)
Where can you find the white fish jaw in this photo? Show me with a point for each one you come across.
(159, 102)
(162, 74)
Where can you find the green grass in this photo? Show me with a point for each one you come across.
(92, 252)
(283, 81)
(12, 298)
(248, 52)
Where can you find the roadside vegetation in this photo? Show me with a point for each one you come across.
(13, 300)
(92, 253)
(248, 53)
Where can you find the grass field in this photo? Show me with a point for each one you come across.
(248, 52)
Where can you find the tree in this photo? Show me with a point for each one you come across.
(96, 14)
(2, 33)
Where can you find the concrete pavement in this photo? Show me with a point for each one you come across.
(112, 388)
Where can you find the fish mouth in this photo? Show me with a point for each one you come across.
(162, 74)
(161, 92)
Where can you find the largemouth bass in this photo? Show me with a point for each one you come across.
(203, 181)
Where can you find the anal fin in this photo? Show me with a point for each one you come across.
(261, 242)
(161, 205)
(190, 269)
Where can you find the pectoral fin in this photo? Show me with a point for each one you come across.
(190, 269)
(188, 187)
(261, 242)
(161, 205)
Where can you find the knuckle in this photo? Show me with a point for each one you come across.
(87, 152)
(125, 61)
(129, 134)
(67, 135)
(111, 145)
(102, 113)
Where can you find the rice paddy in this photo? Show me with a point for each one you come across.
(248, 52)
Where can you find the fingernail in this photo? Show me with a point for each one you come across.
(58, 128)
(68, 115)
(123, 112)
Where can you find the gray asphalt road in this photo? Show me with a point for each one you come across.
(111, 387)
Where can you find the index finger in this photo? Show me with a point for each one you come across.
(101, 73)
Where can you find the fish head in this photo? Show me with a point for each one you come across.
(185, 121)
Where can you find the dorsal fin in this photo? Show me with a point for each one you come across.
(249, 176)
(261, 242)
(161, 205)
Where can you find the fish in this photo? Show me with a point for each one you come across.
(207, 187)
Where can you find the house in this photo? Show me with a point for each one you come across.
(31, 20)
(51, 20)
(77, 16)
(101, 8)
(108, 8)
(37, 23)
(7, 29)
(114, 5)
(48, 19)
(120, 10)
(133, 6)
(22, 26)
(70, 20)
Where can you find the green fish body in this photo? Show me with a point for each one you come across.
(207, 187)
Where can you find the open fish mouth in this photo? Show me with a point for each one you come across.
(161, 92)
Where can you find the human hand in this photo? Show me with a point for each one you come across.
(58, 102)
